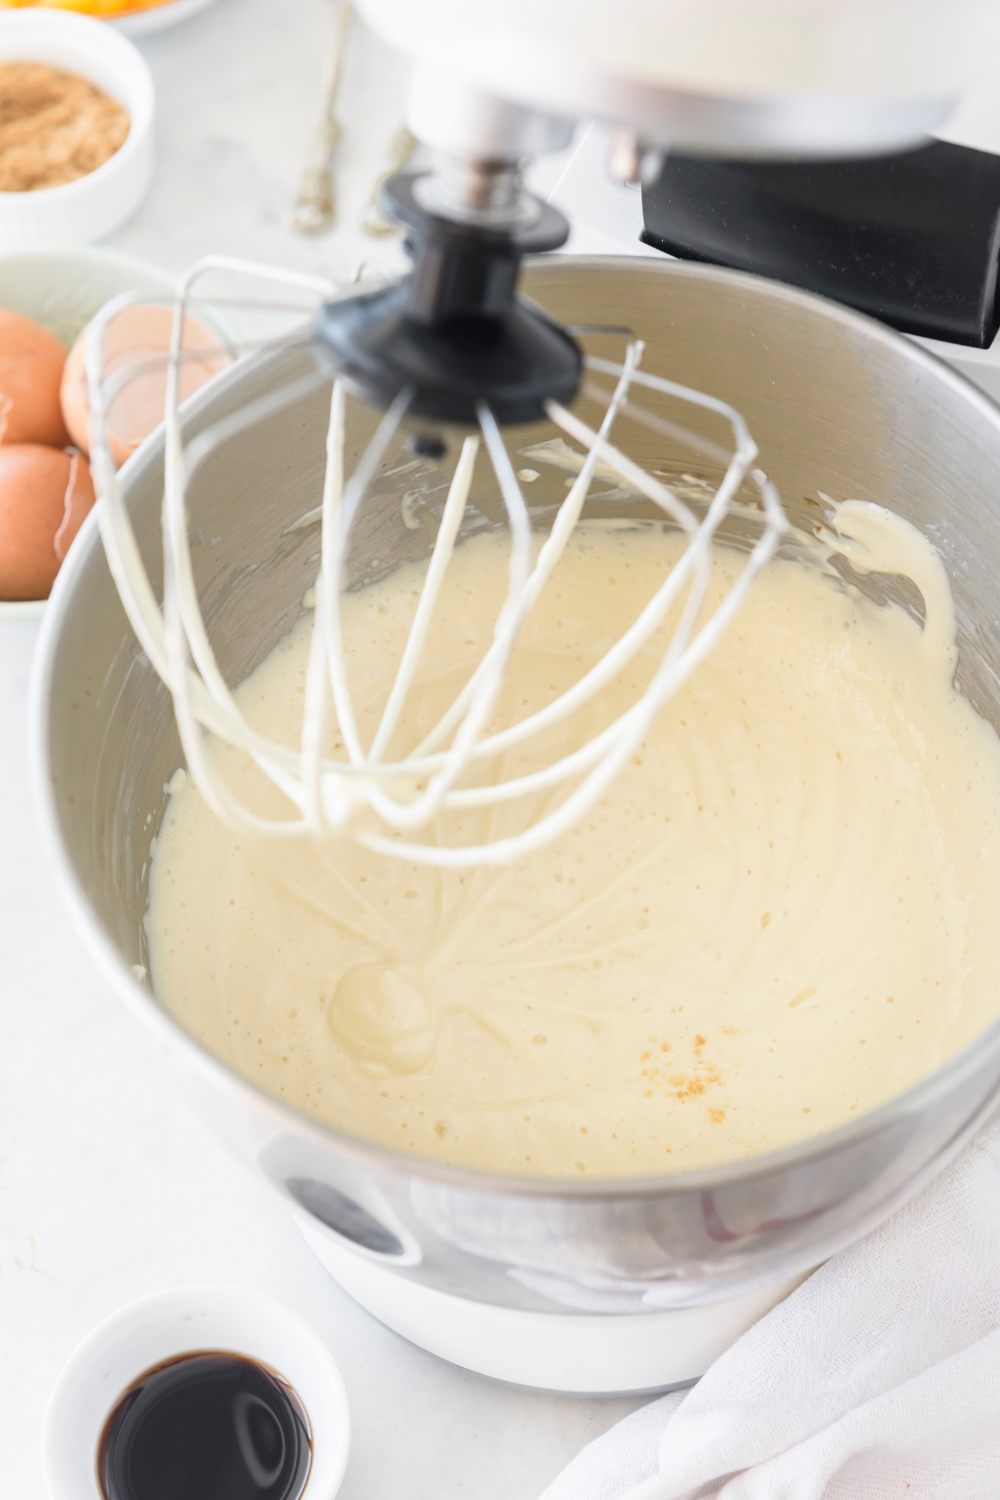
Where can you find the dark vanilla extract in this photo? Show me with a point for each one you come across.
(205, 1426)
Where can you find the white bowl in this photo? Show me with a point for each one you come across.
(186, 1320)
(160, 16)
(63, 289)
(96, 205)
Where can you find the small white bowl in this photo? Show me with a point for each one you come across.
(184, 1321)
(62, 290)
(96, 205)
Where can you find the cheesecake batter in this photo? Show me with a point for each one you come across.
(784, 912)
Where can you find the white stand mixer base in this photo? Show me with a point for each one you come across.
(575, 1353)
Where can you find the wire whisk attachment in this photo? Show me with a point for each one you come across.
(394, 803)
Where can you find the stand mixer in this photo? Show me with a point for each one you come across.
(452, 349)
(616, 1286)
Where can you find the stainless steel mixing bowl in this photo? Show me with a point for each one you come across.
(839, 405)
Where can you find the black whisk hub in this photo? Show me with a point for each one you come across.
(454, 332)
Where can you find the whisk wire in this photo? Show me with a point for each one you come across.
(444, 546)
(552, 548)
(339, 512)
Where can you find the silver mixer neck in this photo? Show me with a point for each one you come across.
(471, 190)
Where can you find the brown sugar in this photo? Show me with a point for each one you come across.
(54, 127)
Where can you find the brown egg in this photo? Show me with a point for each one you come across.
(31, 367)
(44, 495)
(136, 344)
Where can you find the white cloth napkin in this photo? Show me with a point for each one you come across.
(878, 1379)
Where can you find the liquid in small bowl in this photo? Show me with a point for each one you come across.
(207, 1425)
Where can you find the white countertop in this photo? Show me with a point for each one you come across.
(109, 1189)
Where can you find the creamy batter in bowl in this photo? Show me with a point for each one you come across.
(841, 408)
(784, 911)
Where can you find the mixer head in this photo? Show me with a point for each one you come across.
(773, 78)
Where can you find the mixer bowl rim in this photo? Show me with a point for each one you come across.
(144, 1004)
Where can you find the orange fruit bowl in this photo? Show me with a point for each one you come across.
(100, 8)
(137, 15)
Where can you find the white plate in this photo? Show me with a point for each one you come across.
(22, 609)
(63, 289)
(160, 16)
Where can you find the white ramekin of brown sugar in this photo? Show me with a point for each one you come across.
(97, 203)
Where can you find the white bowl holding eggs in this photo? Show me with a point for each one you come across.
(94, 206)
(62, 290)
